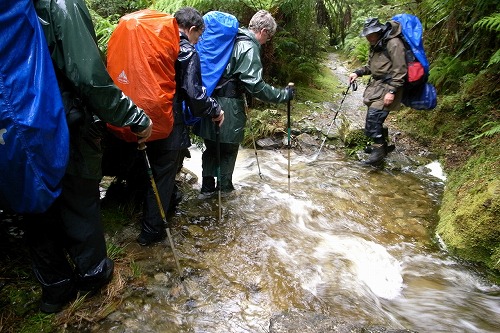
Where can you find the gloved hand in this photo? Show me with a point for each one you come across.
(291, 91)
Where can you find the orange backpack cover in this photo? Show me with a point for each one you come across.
(142, 52)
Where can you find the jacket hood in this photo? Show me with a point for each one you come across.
(394, 29)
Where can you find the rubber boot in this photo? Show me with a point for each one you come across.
(207, 187)
(91, 282)
(377, 155)
(226, 184)
(385, 134)
(55, 296)
(390, 148)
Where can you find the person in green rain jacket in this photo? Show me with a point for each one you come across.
(72, 227)
(243, 74)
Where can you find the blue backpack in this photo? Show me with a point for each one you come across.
(34, 138)
(214, 48)
(418, 93)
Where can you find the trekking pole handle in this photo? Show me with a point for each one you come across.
(141, 146)
(291, 85)
(354, 85)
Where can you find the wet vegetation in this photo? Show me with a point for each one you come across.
(462, 41)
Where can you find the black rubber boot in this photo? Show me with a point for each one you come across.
(390, 148)
(146, 238)
(91, 282)
(226, 185)
(207, 187)
(377, 155)
(55, 296)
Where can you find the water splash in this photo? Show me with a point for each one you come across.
(370, 263)
(436, 170)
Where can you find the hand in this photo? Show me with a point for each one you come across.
(219, 119)
(290, 89)
(145, 134)
(388, 99)
(352, 77)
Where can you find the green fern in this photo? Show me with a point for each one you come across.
(492, 131)
(490, 23)
(495, 58)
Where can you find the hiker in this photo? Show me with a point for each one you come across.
(387, 67)
(166, 155)
(71, 227)
(242, 74)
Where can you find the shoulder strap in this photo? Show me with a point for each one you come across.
(241, 37)
(225, 81)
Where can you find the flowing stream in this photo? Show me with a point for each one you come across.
(343, 240)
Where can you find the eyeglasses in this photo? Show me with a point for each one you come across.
(201, 30)
(269, 36)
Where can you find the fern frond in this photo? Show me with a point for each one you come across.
(495, 58)
(493, 130)
(491, 23)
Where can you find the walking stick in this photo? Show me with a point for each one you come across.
(142, 147)
(290, 86)
(354, 88)
(253, 136)
(217, 144)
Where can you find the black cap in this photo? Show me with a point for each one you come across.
(371, 26)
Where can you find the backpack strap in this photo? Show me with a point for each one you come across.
(242, 37)
(231, 87)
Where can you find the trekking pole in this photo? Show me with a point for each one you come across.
(142, 147)
(217, 144)
(290, 86)
(253, 136)
(354, 88)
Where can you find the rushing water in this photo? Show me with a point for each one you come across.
(338, 239)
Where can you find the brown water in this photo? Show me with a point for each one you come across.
(346, 241)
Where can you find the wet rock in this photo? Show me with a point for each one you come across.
(268, 143)
(306, 140)
(330, 133)
(310, 322)
(187, 176)
(196, 231)
(162, 277)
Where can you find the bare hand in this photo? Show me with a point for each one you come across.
(388, 99)
(219, 119)
(352, 77)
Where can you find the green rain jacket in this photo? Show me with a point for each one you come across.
(387, 66)
(86, 87)
(244, 70)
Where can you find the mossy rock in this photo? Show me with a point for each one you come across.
(355, 138)
(470, 212)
